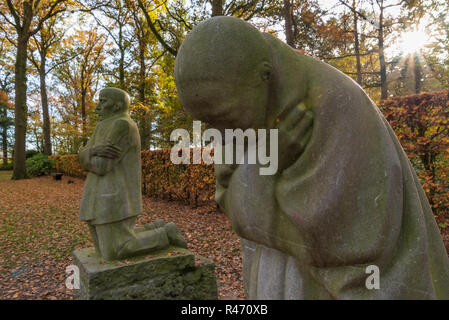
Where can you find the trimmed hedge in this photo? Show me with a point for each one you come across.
(70, 165)
(192, 183)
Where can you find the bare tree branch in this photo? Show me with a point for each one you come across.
(10, 40)
(179, 19)
(13, 12)
(7, 20)
(155, 32)
(373, 23)
(61, 62)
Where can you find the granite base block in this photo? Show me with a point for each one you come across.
(171, 274)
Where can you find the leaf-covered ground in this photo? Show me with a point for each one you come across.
(39, 228)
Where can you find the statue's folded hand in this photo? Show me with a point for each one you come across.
(295, 131)
(109, 151)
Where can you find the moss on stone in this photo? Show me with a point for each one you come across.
(167, 274)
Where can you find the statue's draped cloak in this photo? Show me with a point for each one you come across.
(351, 200)
(112, 191)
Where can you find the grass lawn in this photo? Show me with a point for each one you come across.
(5, 175)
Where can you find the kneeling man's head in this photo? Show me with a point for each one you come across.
(112, 101)
(222, 73)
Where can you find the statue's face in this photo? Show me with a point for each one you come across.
(227, 104)
(106, 106)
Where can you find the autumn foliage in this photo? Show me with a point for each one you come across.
(421, 124)
(70, 165)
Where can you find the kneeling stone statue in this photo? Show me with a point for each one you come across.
(112, 195)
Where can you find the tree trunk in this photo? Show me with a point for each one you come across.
(418, 73)
(122, 70)
(383, 65)
(217, 7)
(142, 72)
(46, 126)
(288, 19)
(5, 138)
(357, 46)
(145, 123)
(20, 108)
(122, 60)
(83, 117)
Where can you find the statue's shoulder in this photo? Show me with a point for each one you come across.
(122, 124)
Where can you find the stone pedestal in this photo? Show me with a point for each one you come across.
(169, 274)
